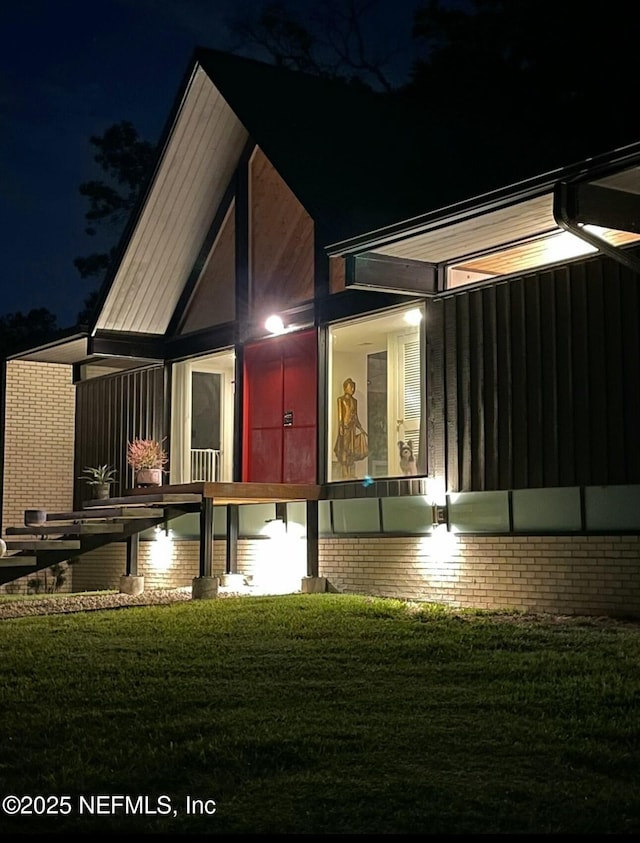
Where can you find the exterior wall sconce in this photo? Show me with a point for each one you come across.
(438, 514)
(275, 325)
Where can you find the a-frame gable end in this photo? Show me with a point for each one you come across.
(213, 299)
(281, 242)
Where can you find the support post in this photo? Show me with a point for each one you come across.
(312, 539)
(131, 583)
(231, 562)
(133, 543)
(206, 537)
(206, 585)
(313, 582)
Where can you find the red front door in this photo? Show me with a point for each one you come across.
(280, 410)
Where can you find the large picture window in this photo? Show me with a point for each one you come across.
(376, 397)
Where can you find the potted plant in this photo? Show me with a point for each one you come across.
(147, 457)
(100, 477)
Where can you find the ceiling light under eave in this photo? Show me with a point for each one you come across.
(413, 317)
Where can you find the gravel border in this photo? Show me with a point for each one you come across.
(61, 605)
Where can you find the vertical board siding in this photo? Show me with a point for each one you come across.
(520, 405)
(111, 411)
(630, 371)
(541, 378)
(549, 329)
(503, 454)
(449, 340)
(435, 391)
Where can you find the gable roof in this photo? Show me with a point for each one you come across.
(358, 162)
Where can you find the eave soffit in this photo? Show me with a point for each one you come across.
(603, 193)
(204, 143)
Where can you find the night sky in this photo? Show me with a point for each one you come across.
(69, 69)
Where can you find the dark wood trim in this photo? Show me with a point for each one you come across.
(575, 203)
(313, 566)
(231, 544)
(133, 544)
(322, 415)
(242, 222)
(206, 537)
(238, 414)
(351, 303)
(167, 393)
(216, 338)
(390, 274)
(137, 346)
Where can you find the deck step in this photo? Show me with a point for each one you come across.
(108, 512)
(67, 530)
(41, 544)
(18, 561)
(150, 499)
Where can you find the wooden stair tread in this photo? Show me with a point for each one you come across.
(107, 513)
(18, 561)
(151, 499)
(42, 544)
(68, 530)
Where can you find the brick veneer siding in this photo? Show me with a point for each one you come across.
(101, 569)
(175, 564)
(38, 443)
(588, 575)
(568, 575)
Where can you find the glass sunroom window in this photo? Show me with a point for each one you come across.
(376, 389)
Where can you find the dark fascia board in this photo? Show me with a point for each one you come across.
(209, 340)
(352, 303)
(597, 205)
(395, 275)
(134, 346)
(503, 197)
(576, 204)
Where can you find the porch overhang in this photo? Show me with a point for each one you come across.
(69, 349)
(594, 205)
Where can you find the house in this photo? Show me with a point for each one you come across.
(302, 267)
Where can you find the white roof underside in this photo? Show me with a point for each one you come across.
(198, 162)
(481, 230)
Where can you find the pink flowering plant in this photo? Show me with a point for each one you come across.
(146, 453)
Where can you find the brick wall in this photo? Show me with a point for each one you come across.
(568, 575)
(38, 442)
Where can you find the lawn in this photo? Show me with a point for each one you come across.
(322, 713)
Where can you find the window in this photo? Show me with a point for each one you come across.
(202, 419)
(376, 387)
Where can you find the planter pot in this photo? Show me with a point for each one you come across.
(34, 517)
(149, 477)
(101, 491)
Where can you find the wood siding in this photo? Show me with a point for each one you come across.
(213, 300)
(281, 242)
(110, 411)
(539, 379)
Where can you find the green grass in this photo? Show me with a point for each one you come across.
(323, 714)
